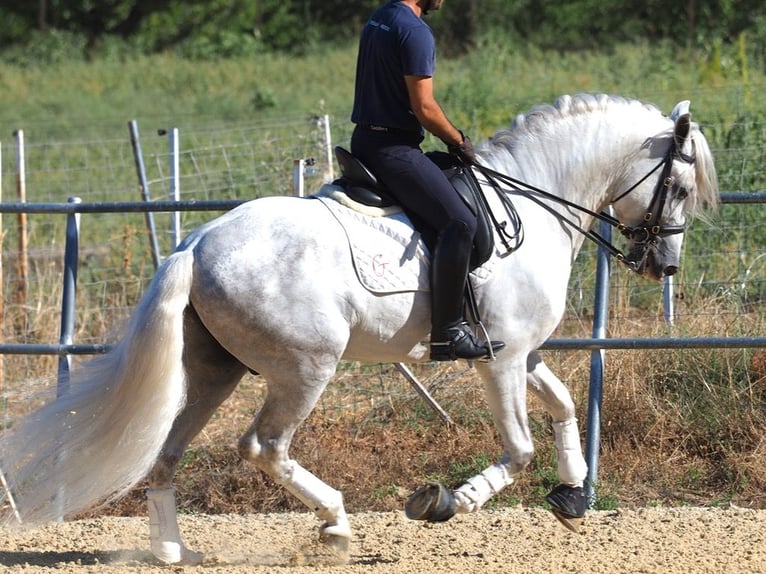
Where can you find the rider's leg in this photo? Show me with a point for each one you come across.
(451, 338)
(421, 187)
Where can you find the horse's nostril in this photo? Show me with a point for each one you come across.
(671, 270)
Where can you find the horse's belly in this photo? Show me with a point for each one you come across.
(390, 328)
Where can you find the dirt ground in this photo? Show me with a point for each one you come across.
(516, 540)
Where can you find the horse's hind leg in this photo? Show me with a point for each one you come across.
(212, 374)
(293, 393)
(568, 501)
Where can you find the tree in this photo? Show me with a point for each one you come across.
(297, 25)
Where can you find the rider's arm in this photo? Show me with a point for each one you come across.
(428, 111)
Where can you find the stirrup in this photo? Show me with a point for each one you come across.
(462, 344)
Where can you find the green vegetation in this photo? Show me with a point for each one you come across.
(217, 28)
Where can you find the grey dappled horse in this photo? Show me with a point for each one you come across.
(271, 287)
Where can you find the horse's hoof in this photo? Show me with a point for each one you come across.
(568, 505)
(177, 555)
(191, 558)
(570, 523)
(337, 545)
(432, 502)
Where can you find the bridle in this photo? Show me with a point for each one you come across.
(643, 236)
(652, 229)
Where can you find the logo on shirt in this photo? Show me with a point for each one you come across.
(376, 24)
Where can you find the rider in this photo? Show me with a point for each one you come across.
(393, 104)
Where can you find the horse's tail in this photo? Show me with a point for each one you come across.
(99, 439)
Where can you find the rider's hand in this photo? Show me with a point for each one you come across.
(463, 150)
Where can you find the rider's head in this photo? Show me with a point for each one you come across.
(428, 5)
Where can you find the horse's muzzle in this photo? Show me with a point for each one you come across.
(649, 262)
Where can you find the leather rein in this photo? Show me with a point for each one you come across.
(645, 235)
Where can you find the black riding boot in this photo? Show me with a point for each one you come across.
(451, 337)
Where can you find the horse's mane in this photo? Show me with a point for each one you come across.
(705, 176)
(541, 117)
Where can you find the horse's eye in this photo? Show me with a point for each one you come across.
(682, 193)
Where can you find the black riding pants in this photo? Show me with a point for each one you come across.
(416, 182)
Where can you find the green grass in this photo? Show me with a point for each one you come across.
(482, 91)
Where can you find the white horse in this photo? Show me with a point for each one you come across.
(272, 287)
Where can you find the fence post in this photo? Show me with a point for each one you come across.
(175, 187)
(68, 299)
(21, 187)
(595, 388)
(2, 292)
(668, 300)
(299, 165)
(145, 195)
(329, 170)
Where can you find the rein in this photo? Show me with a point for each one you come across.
(645, 235)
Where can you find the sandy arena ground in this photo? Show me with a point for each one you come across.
(662, 541)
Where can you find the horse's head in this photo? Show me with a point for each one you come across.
(653, 211)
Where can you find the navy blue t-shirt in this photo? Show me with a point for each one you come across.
(394, 43)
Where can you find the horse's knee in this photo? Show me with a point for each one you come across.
(565, 410)
(549, 389)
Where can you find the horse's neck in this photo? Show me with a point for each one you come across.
(580, 164)
(577, 167)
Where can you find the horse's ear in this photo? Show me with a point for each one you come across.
(682, 118)
(681, 109)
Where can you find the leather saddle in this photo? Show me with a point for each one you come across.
(361, 185)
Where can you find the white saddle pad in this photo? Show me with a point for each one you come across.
(388, 253)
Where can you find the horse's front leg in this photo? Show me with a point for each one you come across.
(506, 396)
(568, 500)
